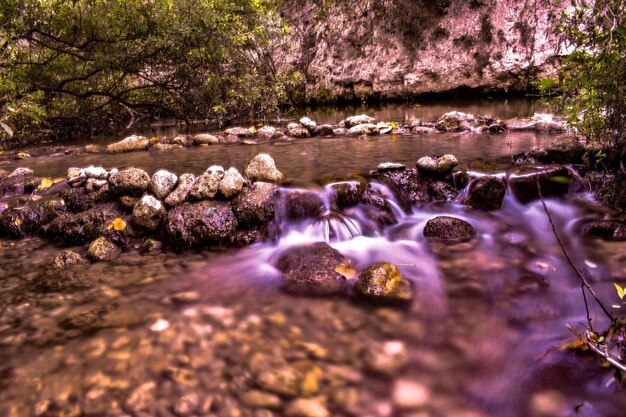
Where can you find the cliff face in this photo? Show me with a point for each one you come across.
(394, 48)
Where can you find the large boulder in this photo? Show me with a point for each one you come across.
(129, 144)
(357, 120)
(526, 182)
(448, 228)
(436, 166)
(162, 183)
(148, 213)
(262, 168)
(255, 205)
(232, 183)
(129, 181)
(486, 193)
(311, 270)
(180, 193)
(194, 224)
(383, 283)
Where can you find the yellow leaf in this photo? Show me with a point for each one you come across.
(154, 139)
(574, 345)
(345, 269)
(620, 291)
(45, 183)
(18, 221)
(393, 125)
(117, 224)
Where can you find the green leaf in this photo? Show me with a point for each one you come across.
(560, 179)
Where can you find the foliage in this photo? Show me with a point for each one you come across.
(593, 78)
(101, 62)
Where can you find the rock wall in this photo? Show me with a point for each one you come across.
(351, 49)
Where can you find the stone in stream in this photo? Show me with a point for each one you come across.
(205, 139)
(78, 199)
(366, 129)
(324, 130)
(129, 181)
(148, 213)
(298, 132)
(526, 182)
(204, 187)
(129, 144)
(456, 121)
(180, 193)
(67, 258)
(606, 229)
(357, 120)
(190, 225)
(308, 123)
(102, 249)
(78, 228)
(162, 183)
(97, 173)
(386, 358)
(303, 205)
(21, 172)
(266, 133)
(310, 269)
(348, 194)
(340, 131)
(255, 205)
(448, 228)
(486, 193)
(232, 183)
(240, 132)
(262, 168)
(438, 167)
(92, 185)
(383, 283)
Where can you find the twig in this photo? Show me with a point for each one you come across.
(584, 282)
(604, 355)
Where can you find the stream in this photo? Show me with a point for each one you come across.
(209, 333)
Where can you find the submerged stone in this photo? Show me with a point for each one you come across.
(486, 193)
(255, 205)
(448, 228)
(67, 258)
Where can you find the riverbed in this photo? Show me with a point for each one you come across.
(210, 333)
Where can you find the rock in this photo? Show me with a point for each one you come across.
(262, 168)
(553, 180)
(266, 133)
(303, 205)
(128, 202)
(486, 193)
(348, 194)
(182, 140)
(205, 186)
(260, 399)
(78, 199)
(383, 283)
(565, 150)
(240, 132)
(423, 130)
(151, 246)
(455, 121)
(102, 249)
(540, 123)
(67, 258)
(21, 172)
(180, 193)
(282, 380)
(341, 131)
(358, 120)
(606, 229)
(363, 129)
(448, 228)
(97, 173)
(324, 130)
(205, 139)
(307, 407)
(308, 123)
(165, 146)
(93, 185)
(390, 166)
(129, 144)
(255, 205)
(94, 149)
(232, 183)
(436, 166)
(78, 228)
(384, 128)
(386, 358)
(190, 225)
(22, 155)
(229, 139)
(216, 170)
(16, 223)
(298, 132)
(310, 270)
(148, 213)
(129, 181)
(162, 183)
(409, 394)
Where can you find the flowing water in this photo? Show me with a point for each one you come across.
(189, 334)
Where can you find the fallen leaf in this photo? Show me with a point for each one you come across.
(345, 268)
(117, 224)
(44, 184)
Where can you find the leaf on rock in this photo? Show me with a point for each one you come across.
(621, 292)
(345, 268)
(117, 224)
(44, 184)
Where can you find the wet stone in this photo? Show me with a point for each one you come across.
(357, 120)
(526, 182)
(383, 283)
(324, 130)
(436, 166)
(486, 193)
(606, 229)
(67, 258)
(348, 193)
(204, 222)
(102, 249)
(205, 186)
(148, 213)
(205, 139)
(255, 205)
(448, 228)
(129, 144)
(303, 205)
